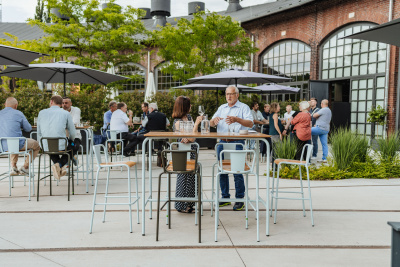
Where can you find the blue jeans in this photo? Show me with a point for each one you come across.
(224, 178)
(315, 145)
(141, 131)
(323, 137)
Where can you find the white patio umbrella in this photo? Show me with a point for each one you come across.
(151, 87)
(61, 72)
(111, 70)
(15, 56)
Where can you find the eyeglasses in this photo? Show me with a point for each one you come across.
(230, 94)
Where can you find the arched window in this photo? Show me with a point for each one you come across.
(361, 62)
(165, 81)
(138, 82)
(289, 58)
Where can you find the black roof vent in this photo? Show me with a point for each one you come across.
(194, 7)
(56, 12)
(233, 6)
(161, 9)
(147, 15)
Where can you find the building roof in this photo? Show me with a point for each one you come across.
(26, 32)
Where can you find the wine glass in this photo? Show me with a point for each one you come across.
(201, 110)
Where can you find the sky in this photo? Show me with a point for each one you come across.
(21, 10)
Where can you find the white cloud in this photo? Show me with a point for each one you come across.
(21, 10)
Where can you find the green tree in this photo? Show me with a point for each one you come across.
(93, 37)
(41, 15)
(206, 44)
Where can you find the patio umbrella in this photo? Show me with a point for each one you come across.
(276, 89)
(384, 33)
(217, 87)
(236, 76)
(15, 56)
(151, 87)
(61, 72)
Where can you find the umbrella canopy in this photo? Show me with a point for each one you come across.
(277, 89)
(384, 33)
(151, 87)
(15, 56)
(237, 76)
(61, 72)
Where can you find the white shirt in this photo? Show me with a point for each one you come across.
(287, 116)
(239, 110)
(118, 121)
(76, 118)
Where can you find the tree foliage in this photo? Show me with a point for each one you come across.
(41, 14)
(206, 44)
(92, 36)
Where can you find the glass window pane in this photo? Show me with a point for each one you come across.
(294, 58)
(294, 68)
(364, 58)
(354, 84)
(332, 52)
(372, 68)
(381, 67)
(361, 116)
(282, 49)
(362, 94)
(369, 94)
(301, 47)
(356, 48)
(332, 63)
(325, 64)
(307, 67)
(363, 69)
(361, 106)
(353, 117)
(295, 47)
(382, 55)
(353, 126)
(307, 56)
(354, 95)
(355, 71)
(380, 93)
(339, 51)
(380, 82)
(364, 46)
(347, 60)
(360, 128)
(370, 83)
(347, 49)
(339, 72)
(281, 60)
(372, 57)
(373, 46)
(353, 106)
(369, 105)
(356, 60)
(332, 74)
(325, 74)
(347, 72)
(363, 84)
(339, 62)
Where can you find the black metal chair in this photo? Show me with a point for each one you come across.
(53, 149)
(179, 164)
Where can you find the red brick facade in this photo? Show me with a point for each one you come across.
(313, 23)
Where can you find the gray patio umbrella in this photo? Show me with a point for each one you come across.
(276, 89)
(236, 76)
(15, 56)
(384, 33)
(217, 87)
(61, 72)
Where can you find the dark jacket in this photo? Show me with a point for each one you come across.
(157, 121)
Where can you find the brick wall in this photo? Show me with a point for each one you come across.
(313, 23)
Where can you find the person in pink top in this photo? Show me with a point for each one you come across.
(302, 127)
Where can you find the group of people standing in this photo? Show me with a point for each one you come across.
(303, 126)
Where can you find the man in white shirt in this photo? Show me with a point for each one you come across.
(75, 113)
(120, 122)
(288, 114)
(258, 118)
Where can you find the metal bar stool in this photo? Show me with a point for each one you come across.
(13, 148)
(179, 164)
(53, 148)
(300, 163)
(107, 165)
(237, 165)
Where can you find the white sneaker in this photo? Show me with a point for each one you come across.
(313, 158)
(24, 171)
(63, 171)
(56, 171)
(14, 171)
(323, 161)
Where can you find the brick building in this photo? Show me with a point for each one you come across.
(302, 39)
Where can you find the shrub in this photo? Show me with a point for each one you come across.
(388, 147)
(347, 148)
(286, 149)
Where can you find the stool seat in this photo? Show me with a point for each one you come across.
(277, 161)
(226, 165)
(190, 165)
(129, 163)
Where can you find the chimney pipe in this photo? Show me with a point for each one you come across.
(161, 9)
(194, 7)
(233, 6)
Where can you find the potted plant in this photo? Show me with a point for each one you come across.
(377, 116)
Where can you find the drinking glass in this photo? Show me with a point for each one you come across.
(231, 128)
(201, 110)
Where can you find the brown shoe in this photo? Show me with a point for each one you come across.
(56, 171)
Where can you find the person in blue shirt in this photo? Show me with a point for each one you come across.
(107, 116)
(53, 122)
(142, 129)
(238, 115)
(11, 123)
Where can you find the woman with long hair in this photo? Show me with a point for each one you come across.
(185, 183)
(276, 129)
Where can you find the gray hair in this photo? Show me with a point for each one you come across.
(112, 103)
(232, 86)
(304, 105)
(153, 106)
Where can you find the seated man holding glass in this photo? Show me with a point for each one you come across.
(232, 117)
(75, 113)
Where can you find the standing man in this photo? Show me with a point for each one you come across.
(52, 122)
(288, 114)
(258, 118)
(314, 109)
(120, 122)
(145, 109)
(11, 123)
(107, 116)
(238, 113)
(75, 113)
(322, 126)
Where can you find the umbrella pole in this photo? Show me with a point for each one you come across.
(217, 98)
(65, 74)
